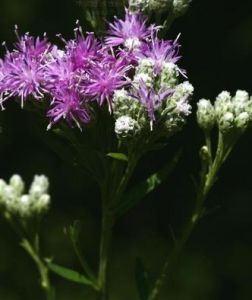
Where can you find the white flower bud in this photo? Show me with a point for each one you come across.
(242, 120)
(169, 74)
(159, 5)
(17, 183)
(224, 96)
(226, 123)
(125, 126)
(183, 107)
(143, 77)
(180, 6)
(241, 96)
(146, 65)
(39, 186)
(205, 114)
(138, 4)
(42, 204)
(20, 205)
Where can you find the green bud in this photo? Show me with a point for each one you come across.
(169, 75)
(146, 66)
(205, 114)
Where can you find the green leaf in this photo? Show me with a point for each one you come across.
(138, 192)
(69, 274)
(118, 156)
(142, 283)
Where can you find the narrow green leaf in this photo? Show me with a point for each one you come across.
(141, 280)
(69, 274)
(118, 156)
(138, 192)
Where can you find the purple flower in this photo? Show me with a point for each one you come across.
(35, 48)
(160, 52)
(22, 69)
(83, 50)
(59, 75)
(150, 98)
(106, 77)
(22, 77)
(130, 32)
(68, 105)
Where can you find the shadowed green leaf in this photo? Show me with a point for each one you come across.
(69, 274)
(118, 156)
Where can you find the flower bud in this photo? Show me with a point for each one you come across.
(146, 66)
(226, 123)
(169, 75)
(159, 5)
(17, 183)
(39, 186)
(180, 6)
(241, 96)
(17, 204)
(242, 120)
(205, 114)
(125, 126)
(136, 5)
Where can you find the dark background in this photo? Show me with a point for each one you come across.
(217, 264)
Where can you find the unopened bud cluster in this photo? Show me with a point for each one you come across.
(15, 203)
(177, 7)
(229, 113)
(155, 89)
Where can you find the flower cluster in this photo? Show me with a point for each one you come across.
(131, 65)
(230, 114)
(177, 7)
(16, 204)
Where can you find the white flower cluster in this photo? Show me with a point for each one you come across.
(231, 114)
(131, 111)
(178, 7)
(15, 203)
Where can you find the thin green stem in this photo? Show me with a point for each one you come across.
(106, 235)
(84, 264)
(42, 268)
(208, 178)
(110, 196)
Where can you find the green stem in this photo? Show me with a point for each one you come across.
(106, 235)
(208, 178)
(110, 196)
(84, 264)
(43, 270)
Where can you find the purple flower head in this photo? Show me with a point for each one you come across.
(106, 77)
(83, 50)
(150, 98)
(22, 77)
(160, 52)
(59, 75)
(22, 69)
(130, 32)
(68, 105)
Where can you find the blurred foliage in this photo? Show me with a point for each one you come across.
(217, 51)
